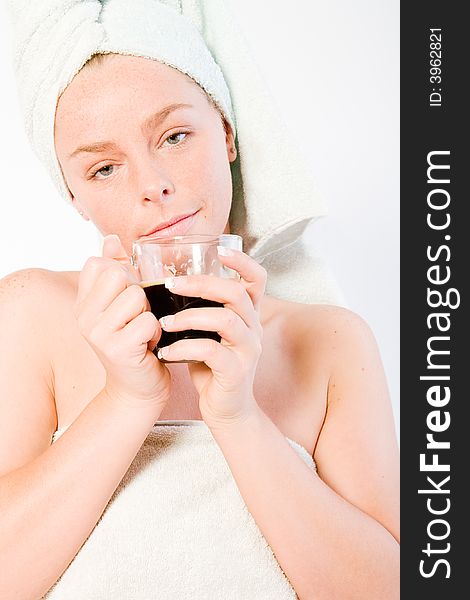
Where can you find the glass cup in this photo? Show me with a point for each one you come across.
(157, 258)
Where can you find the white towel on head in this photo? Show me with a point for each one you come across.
(274, 197)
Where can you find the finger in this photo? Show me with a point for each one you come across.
(216, 356)
(143, 330)
(124, 308)
(226, 291)
(224, 321)
(110, 283)
(90, 273)
(113, 248)
(253, 275)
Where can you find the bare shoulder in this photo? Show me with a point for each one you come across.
(32, 305)
(349, 346)
(340, 331)
(33, 293)
(342, 343)
(322, 332)
(29, 283)
(356, 451)
(330, 321)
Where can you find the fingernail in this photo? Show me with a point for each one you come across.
(168, 320)
(173, 282)
(224, 251)
(112, 236)
(162, 352)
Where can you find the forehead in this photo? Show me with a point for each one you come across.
(117, 84)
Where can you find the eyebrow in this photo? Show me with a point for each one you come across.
(157, 119)
(151, 122)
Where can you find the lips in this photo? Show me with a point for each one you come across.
(176, 226)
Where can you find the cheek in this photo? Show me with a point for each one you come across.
(104, 209)
(208, 172)
(103, 204)
(108, 215)
(109, 218)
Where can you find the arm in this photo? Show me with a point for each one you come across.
(50, 505)
(335, 536)
(51, 497)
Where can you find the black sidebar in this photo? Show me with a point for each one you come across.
(435, 331)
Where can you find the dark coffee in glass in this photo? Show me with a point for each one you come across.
(158, 258)
(164, 302)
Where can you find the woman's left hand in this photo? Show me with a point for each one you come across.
(224, 377)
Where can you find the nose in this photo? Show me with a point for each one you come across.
(154, 183)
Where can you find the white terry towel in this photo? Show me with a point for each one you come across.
(274, 196)
(177, 528)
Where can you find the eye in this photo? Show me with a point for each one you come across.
(175, 138)
(104, 172)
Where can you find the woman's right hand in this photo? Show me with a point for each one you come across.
(113, 316)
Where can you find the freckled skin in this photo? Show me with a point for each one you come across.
(150, 176)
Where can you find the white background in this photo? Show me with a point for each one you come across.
(333, 69)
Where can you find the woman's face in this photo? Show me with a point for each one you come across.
(133, 157)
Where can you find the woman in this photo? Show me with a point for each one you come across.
(139, 144)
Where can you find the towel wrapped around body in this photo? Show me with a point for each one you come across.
(176, 528)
